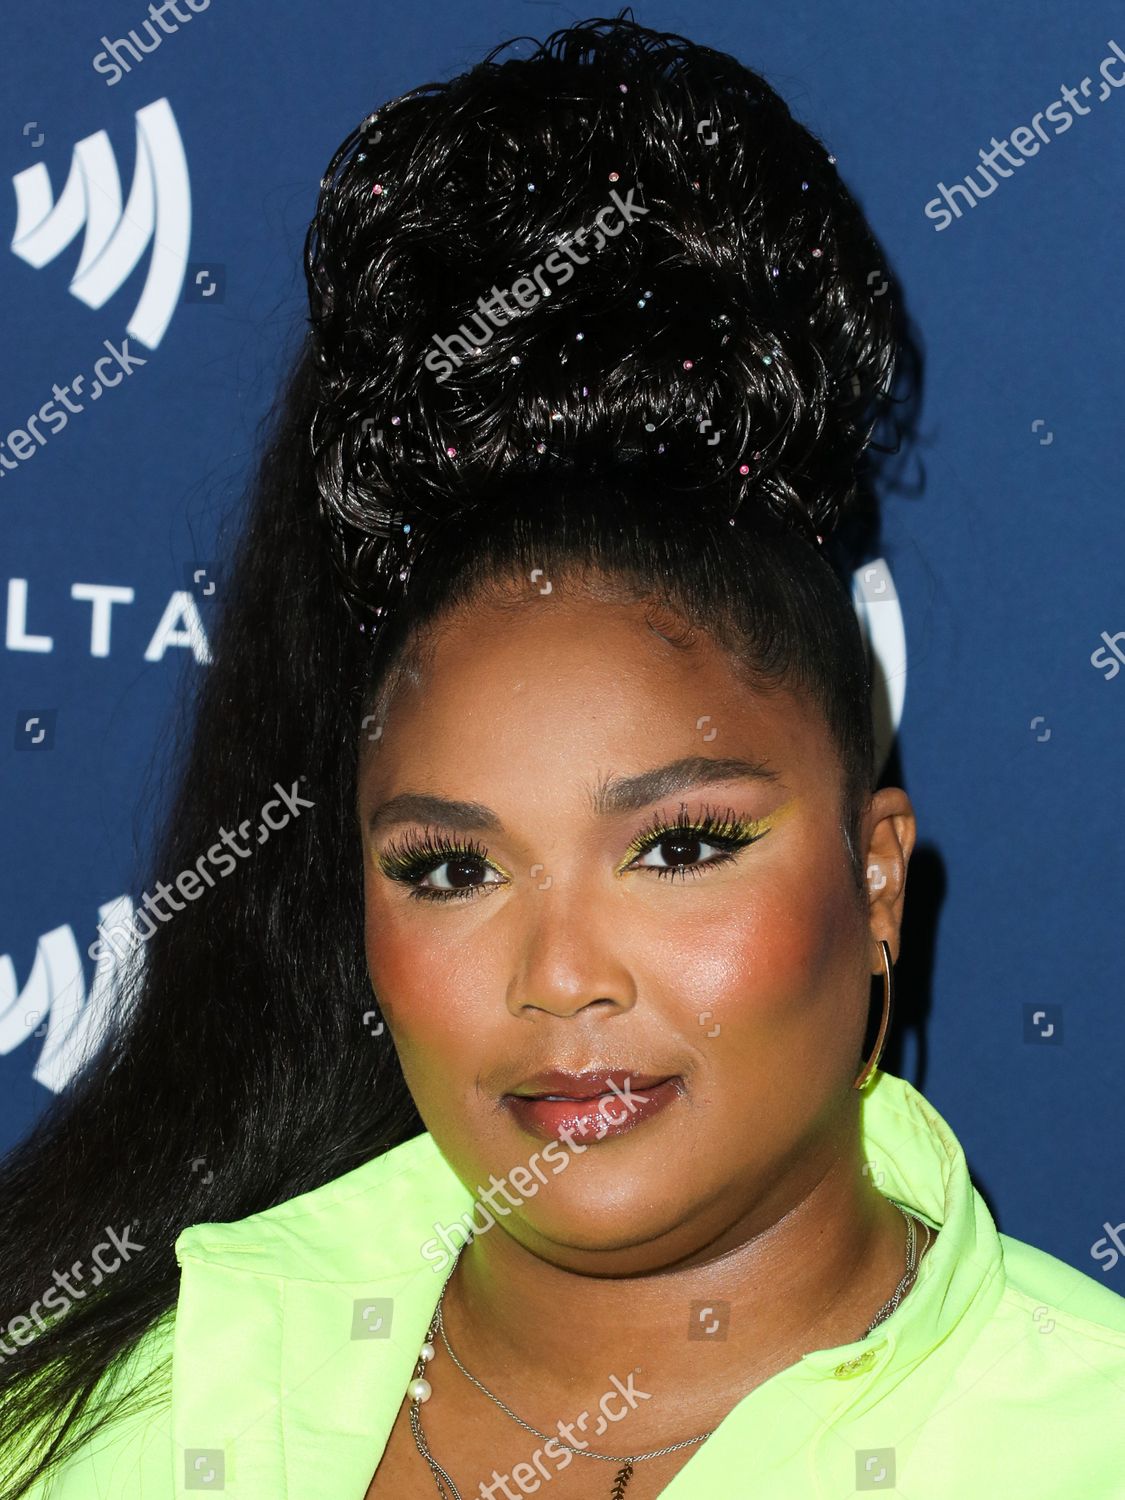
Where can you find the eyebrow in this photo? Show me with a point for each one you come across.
(617, 794)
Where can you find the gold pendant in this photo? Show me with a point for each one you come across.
(621, 1480)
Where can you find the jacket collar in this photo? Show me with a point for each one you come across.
(297, 1329)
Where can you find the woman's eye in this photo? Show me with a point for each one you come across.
(458, 875)
(436, 869)
(682, 849)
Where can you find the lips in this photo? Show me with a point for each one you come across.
(583, 1108)
(592, 1083)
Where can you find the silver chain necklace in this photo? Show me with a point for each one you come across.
(419, 1390)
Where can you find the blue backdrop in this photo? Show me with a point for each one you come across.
(154, 198)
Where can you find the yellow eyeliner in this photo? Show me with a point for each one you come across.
(782, 814)
(749, 828)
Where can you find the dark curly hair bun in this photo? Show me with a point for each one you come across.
(618, 255)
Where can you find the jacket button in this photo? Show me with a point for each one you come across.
(855, 1366)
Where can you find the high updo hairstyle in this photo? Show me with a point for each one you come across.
(676, 409)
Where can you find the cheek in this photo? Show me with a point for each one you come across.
(424, 968)
(764, 983)
(428, 990)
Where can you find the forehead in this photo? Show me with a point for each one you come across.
(560, 687)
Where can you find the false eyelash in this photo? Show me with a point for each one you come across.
(728, 831)
(413, 857)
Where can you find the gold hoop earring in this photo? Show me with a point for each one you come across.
(888, 1002)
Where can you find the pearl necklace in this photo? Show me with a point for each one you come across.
(419, 1390)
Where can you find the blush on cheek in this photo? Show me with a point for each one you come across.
(400, 966)
(413, 977)
(430, 994)
(806, 922)
(778, 981)
(765, 962)
(771, 942)
(812, 1001)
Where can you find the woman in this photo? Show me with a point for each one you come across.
(511, 1118)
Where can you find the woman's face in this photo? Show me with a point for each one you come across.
(543, 922)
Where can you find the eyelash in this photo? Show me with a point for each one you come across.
(413, 858)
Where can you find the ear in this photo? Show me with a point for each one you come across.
(889, 833)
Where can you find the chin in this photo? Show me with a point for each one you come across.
(628, 1228)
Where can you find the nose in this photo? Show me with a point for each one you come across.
(568, 957)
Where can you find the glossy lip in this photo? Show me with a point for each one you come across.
(585, 1118)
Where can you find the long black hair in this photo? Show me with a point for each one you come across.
(678, 404)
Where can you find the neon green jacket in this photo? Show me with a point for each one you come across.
(1001, 1373)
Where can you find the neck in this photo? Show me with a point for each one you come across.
(781, 1283)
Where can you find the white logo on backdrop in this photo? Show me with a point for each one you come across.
(54, 1003)
(158, 212)
(877, 608)
(180, 624)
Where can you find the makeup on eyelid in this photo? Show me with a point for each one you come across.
(414, 858)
